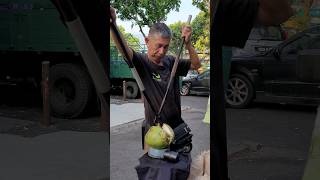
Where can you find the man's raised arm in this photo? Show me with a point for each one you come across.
(115, 39)
(195, 62)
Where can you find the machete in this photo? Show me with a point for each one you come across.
(127, 59)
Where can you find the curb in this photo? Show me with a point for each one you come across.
(126, 126)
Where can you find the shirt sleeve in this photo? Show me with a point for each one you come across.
(137, 60)
(234, 20)
(183, 67)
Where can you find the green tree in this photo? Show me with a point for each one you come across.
(132, 41)
(176, 36)
(201, 26)
(203, 5)
(200, 33)
(144, 12)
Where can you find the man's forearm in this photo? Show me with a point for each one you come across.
(117, 43)
(274, 12)
(195, 62)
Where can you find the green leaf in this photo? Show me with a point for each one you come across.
(144, 12)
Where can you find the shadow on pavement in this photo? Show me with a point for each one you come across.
(24, 104)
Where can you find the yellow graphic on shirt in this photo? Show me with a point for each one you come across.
(156, 77)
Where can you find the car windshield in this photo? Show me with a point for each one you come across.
(302, 40)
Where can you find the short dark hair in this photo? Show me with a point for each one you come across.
(160, 28)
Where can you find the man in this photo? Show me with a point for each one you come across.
(155, 67)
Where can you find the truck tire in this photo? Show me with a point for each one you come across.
(71, 90)
(132, 89)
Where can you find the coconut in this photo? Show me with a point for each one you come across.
(159, 138)
(169, 131)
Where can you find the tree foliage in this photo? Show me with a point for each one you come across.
(201, 26)
(144, 12)
(176, 36)
(203, 5)
(132, 41)
(301, 19)
(200, 34)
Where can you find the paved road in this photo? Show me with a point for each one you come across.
(277, 137)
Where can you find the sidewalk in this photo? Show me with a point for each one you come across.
(62, 155)
(128, 112)
(125, 113)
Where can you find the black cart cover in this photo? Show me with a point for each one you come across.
(158, 169)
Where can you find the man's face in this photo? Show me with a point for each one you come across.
(157, 47)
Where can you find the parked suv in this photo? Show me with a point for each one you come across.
(286, 74)
(261, 40)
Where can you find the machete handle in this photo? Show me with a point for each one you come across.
(189, 19)
(116, 31)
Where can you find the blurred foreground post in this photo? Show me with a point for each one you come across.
(124, 87)
(45, 120)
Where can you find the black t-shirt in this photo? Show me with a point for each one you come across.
(155, 79)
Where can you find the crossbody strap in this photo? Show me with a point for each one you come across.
(173, 72)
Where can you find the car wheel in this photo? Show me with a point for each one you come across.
(239, 92)
(185, 90)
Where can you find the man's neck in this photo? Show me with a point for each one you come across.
(155, 61)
